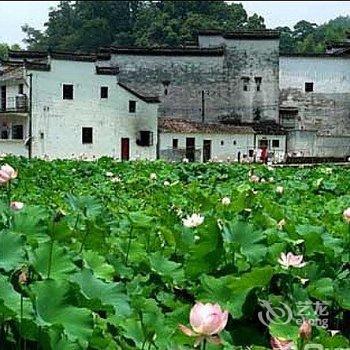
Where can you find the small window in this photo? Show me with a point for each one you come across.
(132, 106)
(258, 83)
(104, 91)
(21, 89)
(263, 143)
(4, 134)
(165, 91)
(17, 132)
(245, 81)
(175, 143)
(309, 87)
(67, 91)
(86, 135)
(222, 142)
(275, 143)
(145, 138)
(234, 142)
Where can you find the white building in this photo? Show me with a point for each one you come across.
(179, 139)
(78, 108)
(69, 105)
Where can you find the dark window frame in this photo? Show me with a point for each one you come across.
(104, 92)
(246, 82)
(68, 94)
(87, 135)
(20, 131)
(258, 81)
(21, 89)
(175, 143)
(275, 143)
(145, 138)
(132, 106)
(309, 86)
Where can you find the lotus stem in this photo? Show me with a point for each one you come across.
(204, 344)
(129, 245)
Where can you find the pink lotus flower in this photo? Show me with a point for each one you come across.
(7, 173)
(207, 320)
(346, 215)
(254, 178)
(16, 206)
(281, 344)
(305, 330)
(291, 260)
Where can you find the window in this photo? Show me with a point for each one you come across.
(86, 135)
(165, 91)
(104, 91)
(309, 87)
(67, 91)
(17, 132)
(145, 138)
(245, 81)
(132, 106)
(222, 142)
(258, 83)
(20, 89)
(263, 143)
(251, 153)
(275, 143)
(4, 134)
(234, 142)
(175, 143)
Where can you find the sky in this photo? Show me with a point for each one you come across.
(13, 14)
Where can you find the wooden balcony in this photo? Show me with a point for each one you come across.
(15, 104)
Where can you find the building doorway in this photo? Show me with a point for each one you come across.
(190, 148)
(125, 148)
(206, 150)
(3, 98)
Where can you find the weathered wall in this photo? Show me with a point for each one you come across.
(219, 77)
(57, 123)
(327, 108)
(277, 153)
(223, 146)
(309, 144)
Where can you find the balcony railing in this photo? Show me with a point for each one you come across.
(17, 103)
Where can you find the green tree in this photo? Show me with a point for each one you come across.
(4, 49)
(87, 25)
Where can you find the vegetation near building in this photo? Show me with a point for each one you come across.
(87, 25)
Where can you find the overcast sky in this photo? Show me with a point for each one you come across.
(13, 14)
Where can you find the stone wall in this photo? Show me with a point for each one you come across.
(182, 80)
(326, 109)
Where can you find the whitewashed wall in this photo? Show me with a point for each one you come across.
(57, 123)
(329, 74)
(244, 142)
(278, 153)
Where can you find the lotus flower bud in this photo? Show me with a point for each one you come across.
(16, 206)
(346, 215)
(226, 201)
(279, 189)
(305, 330)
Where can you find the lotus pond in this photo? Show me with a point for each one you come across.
(108, 255)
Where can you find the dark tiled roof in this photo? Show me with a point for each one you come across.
(107, 70)
(59, 55)
(243, 34)
(191, 127)
(268, 127)
(169, 51)
(148, 99)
